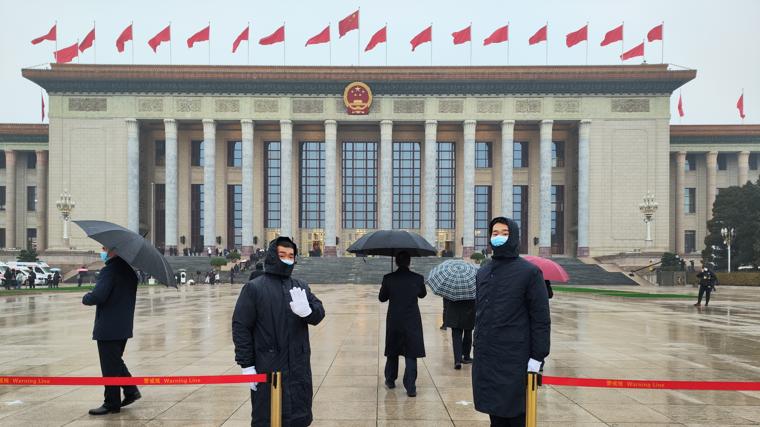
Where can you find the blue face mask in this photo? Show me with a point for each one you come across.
(498, 240)
(104, 256)
(287, 261)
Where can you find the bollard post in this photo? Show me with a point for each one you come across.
(275, 397)
(531, 399)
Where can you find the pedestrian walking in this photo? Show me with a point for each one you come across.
(707, 282)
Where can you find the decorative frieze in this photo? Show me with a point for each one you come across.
(528, 106)
(630, 105)
(227, 105)
(266, 106)
(489, 107)
(88, 104)
(308, 106)
(450, 106)
(409, 106)
(188, 105)
(150, 105)
(567, 105)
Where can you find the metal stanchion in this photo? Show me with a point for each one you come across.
(275, 397)
(531, 399)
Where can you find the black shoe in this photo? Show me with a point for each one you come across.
(128, 400)
(458, 366)
(390, 384)
(411, 393)
(466, 360)
(104, 410)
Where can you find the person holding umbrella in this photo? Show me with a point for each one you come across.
(512, 327)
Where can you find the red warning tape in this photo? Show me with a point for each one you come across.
(175, 380)
(651, 384)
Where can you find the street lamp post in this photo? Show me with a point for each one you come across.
(648, 207)
(65, 205)
(728, 235)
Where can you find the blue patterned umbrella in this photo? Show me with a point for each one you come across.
(453, 280)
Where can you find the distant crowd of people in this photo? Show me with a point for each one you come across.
(15, 279)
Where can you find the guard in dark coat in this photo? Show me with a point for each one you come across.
(270, 329)
(512, 327)
(460, 317)
(114, 298)
(707, 282)
(403, 323)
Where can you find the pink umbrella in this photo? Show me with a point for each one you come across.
(82, 270)
(551, 270)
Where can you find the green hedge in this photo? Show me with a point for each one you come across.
(737, 278)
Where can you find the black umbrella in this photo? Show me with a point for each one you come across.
(131, 247)
(391, 242)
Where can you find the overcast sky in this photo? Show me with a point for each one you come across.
(720, 39)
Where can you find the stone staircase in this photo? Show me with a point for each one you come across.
(592, 274)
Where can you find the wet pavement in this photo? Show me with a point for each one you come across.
(187, 332)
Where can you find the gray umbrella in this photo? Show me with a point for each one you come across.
(131, 247)
(453, 280)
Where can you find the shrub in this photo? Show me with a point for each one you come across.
(478, 257)
(27, 256)
(218, 261)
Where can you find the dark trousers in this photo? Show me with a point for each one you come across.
(704, 291)
(518, 421)
(410, 371)
(112, 365)
(462, 341)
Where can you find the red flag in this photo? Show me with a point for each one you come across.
(634, 52)
(51, 35)
(87, 42)
(613, 35)
(67, 54)
(424, 37)
(680, 106)
(381, 36)
(124, 37)
(462, 36)
(740, 106)
(576, 37)
(350, 22)
(201, 36)
(164, 35)
(240, 38)
(42, 96)
(655, 33)
(322, 37)
(277, 36)
(540, 36)
(499, 36)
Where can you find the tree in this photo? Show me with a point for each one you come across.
(737, 208)
(27, 255)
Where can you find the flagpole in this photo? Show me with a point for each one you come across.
(586, 42)
(329, 45)
(507, 42)
(78, 55)
(431, 44)
(132, 42)
(283, 44)
(386, 44)
(56, 41)
(94, 46)
(358, 36)
(248, 45)
(680, 101)
(547, 42)
(209, 42)
(662, 44)
(470, 43)
(742, 105)
(622, 42)
(170, 42)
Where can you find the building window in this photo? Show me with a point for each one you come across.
(159, 216)
(31, 198)
(482, 155)
(234, 216)
(31, 160)
(160, 153)
(520, 155)
(272, 185)
(520, 213)
(196, 153)
(31, 239)
(558, 219)
(690, 200)
(406, 185)
(558, 154)
(482, 216)
(2, 160)
(2, 198)
(753, 161)
(2, 237)
(196, 217)
(234, 154)
(359, 184)
(691, 162)
(312, 185)
(722, 161)
(446, 175)
(690, 241)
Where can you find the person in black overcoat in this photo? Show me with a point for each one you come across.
(512, 327)
(270, 330)
(403, 327)
(114, 299)
(460, 317)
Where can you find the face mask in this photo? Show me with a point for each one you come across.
(287, 261)
(497, 241)
(104, 256)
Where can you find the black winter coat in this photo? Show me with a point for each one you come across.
(512, 325)
(114, 296)
(459, 314)
(268, 335)
(403, 323)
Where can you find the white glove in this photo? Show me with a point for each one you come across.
(300, 304)
(251, 370)
(534, 365)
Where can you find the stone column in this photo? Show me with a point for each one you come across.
(331, 138)
(209, 183)
(10, 199)
(545, 197)
(170, 184)
(385, 203)
(507, 164)
(712, 170)
(584, 131)
(133, 175)
(42, 199)
(286, 184)
(743, 159)
(246, 126)
(468, 217)
(680, 199)
(429, 214)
